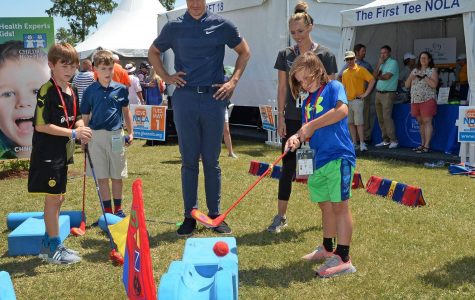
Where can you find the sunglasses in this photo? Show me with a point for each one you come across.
(351, 58)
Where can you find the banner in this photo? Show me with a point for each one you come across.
(138, 271)
(24, 43)
(443, 50)
(466, 124)
(267, 117)
(149, 121)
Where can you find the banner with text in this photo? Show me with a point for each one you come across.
(267, 117)
(466, 124)
(149, 121)
(24, 44)
(443, 50)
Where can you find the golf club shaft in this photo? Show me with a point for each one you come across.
(86, 149)
(255, 183)
(84, 190)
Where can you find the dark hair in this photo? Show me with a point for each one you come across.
(13, 50)
(309, 62)
(64, 53)
(300, 13)
(431, 61)
(386, 47)
(358, 47)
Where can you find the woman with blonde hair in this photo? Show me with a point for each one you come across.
(154, 90)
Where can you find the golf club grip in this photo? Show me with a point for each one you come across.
(256, 182)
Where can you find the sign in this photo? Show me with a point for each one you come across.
(24, 44)
(149, 121)
(267, 117)
(443, 97)
(466, 124)
(443, 50)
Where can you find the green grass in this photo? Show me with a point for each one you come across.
(399, 252)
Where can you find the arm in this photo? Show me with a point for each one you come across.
(433, 80)
(226, 90)
(82, 132)
(281, 99)
(330, 117)
(154, 58)
(370, 87)
(128, 122)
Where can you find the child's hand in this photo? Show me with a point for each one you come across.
(84, 134)
(305, 133)
(293, 143)
(128, 139)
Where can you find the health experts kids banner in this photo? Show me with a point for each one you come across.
(24, 44)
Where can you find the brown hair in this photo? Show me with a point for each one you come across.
(103, 57)
(300, 13)
(309, 62)
(12, 50)
(64, 53)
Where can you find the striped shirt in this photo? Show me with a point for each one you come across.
(81, 81)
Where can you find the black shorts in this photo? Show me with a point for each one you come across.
(46, 178)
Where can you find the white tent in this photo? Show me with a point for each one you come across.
(399, 22)
(129, 31)
(264, 25)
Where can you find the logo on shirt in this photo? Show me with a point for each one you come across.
(212, 29)
(318, 108)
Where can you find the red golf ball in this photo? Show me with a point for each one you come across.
(221, 248)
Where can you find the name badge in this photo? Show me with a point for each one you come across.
(305, 157)
(302, 96)
(70, 147)
(117, 143)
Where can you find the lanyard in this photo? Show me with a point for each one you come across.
(308, 103)
(297, 49)
(63, 103)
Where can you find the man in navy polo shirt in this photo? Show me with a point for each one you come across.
(198, 40)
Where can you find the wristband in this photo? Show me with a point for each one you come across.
(73, 134)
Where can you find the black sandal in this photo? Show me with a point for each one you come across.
(418, 148)
(423, 150)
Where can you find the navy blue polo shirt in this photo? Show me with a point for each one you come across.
(105, 104)
(198, 46)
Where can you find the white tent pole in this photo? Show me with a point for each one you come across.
(469, 31)
(346, 43)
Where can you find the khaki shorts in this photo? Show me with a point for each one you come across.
(355, 112)
(108, 162)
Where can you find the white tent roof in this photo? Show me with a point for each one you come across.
(388, 11)
(129, 31)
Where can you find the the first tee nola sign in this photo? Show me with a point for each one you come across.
(466, 124)
(149, 121)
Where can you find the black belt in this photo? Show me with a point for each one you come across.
(202, 89)
(385, 92)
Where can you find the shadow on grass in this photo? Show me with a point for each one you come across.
(102, 250)
(20, 268)
(256, 153)
(452, 275)
(139, 173)
(171, 162)
(296, 271)
(267, 238)
(164, 237)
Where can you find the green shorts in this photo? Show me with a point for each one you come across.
(332, 182)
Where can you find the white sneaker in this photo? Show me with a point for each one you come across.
(363, 147)
(355, 145)
(393, 145)
(382, 144)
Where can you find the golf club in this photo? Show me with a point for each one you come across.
(210, 223)
(81, 230)
(115, 256)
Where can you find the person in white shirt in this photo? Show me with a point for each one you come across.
(135, 90)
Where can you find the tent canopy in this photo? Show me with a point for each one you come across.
(129, 31)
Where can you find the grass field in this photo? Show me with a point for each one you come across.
(399, 252)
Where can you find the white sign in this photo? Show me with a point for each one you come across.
(443, 50)
(149, 121)
(443, 97)
(466, 124)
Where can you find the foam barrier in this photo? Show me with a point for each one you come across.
(6, 287)
(111, 220)
(399, 192)
(201, 274)
(26, 238)
(15, 219)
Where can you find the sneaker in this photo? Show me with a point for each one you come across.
(355, 145)
(393, 145)
(222, 228)
(232, 155)
(363, 147)
(62, 256)
(382, 144)
(187, 227)
(334, 266)
(44, 251)
(277, 224)
(120, 213)
(319, 255)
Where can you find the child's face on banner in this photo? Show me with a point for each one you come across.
(19, 83)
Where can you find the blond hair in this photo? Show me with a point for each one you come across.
(310, 63)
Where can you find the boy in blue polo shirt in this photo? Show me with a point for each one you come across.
(104, 106)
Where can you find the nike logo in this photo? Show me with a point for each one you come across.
(209, 32)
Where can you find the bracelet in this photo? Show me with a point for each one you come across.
(281, 113)
(73, 134)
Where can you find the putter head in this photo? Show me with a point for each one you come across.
(202, 218)
(77, 231)
(116, 257)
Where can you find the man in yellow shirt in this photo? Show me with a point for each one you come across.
(462, 76)
(354, 80)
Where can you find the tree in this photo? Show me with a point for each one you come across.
(65, 35)
(81, 14)
(168, 4)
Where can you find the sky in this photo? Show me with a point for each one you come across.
(36, 8)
